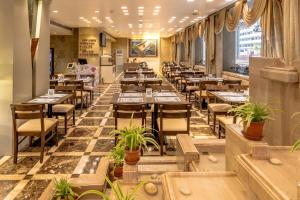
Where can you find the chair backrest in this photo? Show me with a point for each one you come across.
(69, 89)
(207, 82)
(77, 83)
(148, 83)
(127, 111)
(238, 88)
(213, 87)
(70, 76)
(91, 76)
(175, 111)
(129, 82)
(132, 88)
(53, 84)
(232, 82)
(27, 112)
(131, 75)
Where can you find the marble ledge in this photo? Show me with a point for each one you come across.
(285, 75)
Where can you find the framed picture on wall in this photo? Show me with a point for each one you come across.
(143, 48)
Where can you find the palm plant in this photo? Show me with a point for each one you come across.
(132, 138)
(119, 194)
(64, 190)
(117, 154)
(252, 112)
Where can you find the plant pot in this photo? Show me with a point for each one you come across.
(254, 131)
(118, 171)
(132, 157)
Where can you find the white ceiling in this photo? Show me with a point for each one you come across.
(69, 12)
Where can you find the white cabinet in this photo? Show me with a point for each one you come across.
(108, 73)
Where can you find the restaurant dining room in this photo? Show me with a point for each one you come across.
(152, 99)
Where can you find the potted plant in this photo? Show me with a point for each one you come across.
(253, 116)
(133, 138)
(119, 194)
(63, 190)
(117, 154)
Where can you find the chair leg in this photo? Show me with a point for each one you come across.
(214, 122)
(56, 137)
(42, 148)
(74, 117)
(30, 140)
(208, 116)
(15, 149)
(161, 142)
(66, 123)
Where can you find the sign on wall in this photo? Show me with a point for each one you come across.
(88, 47)
(142, 48)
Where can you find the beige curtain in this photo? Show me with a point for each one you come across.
(233, 16)
(186, 45)
(210, 45)
(202, 28)
(291, 10)
(251, 15)
(272, 30)
(220, 21)
(195, 31)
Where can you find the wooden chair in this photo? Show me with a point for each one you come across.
(70, 76)
(126, 114)
(89, 87)
(232, 82)
(148, 83)
(173, 119)
(183, 81)
(35, 126)
(67, 109)
(238, 88)
(202, 95)
(53, 84)
(130, 82)
(132, 88)
(80, 93)
(215, 109)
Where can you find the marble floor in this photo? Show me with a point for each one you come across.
(78, 152)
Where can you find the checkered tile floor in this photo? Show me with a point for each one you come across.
(78, 152)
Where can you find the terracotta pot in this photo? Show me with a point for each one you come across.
(118, 171)
(132, 157)
(254, 131)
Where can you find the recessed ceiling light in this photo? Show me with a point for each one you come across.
(186, 17)
(155, 13)
(97, 11)
(81, 17)
(55, 11)
(157, 7)
(141, 7)
(209, 0)
(124, 7)
(141, 14)
(190, 0)
(126, 13)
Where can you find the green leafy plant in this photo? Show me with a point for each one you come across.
(132, 138)
(117, 154)
(252, 112)
(64, 190)
(119, 194)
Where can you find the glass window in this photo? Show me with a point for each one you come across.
(248, 42)
(200, 51)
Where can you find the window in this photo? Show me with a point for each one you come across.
(200, 51)
(248, 42)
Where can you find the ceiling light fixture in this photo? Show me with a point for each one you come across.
(97, 11)
(55, 11)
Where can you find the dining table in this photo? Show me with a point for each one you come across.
(50, 100)
(139, 79)
(197, 80)
(231, 97)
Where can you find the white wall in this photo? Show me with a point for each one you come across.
(42, 55)
(15, 65)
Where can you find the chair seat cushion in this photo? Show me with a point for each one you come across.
(219, 107)
(173, 124)
(63, 108)
(123, 123)
(34, 125)
(84, 93)
(192, 88)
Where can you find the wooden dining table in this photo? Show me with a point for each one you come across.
(50, 101)
(142, 98)
(199, 80)
(140, 80)
(231, 97)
